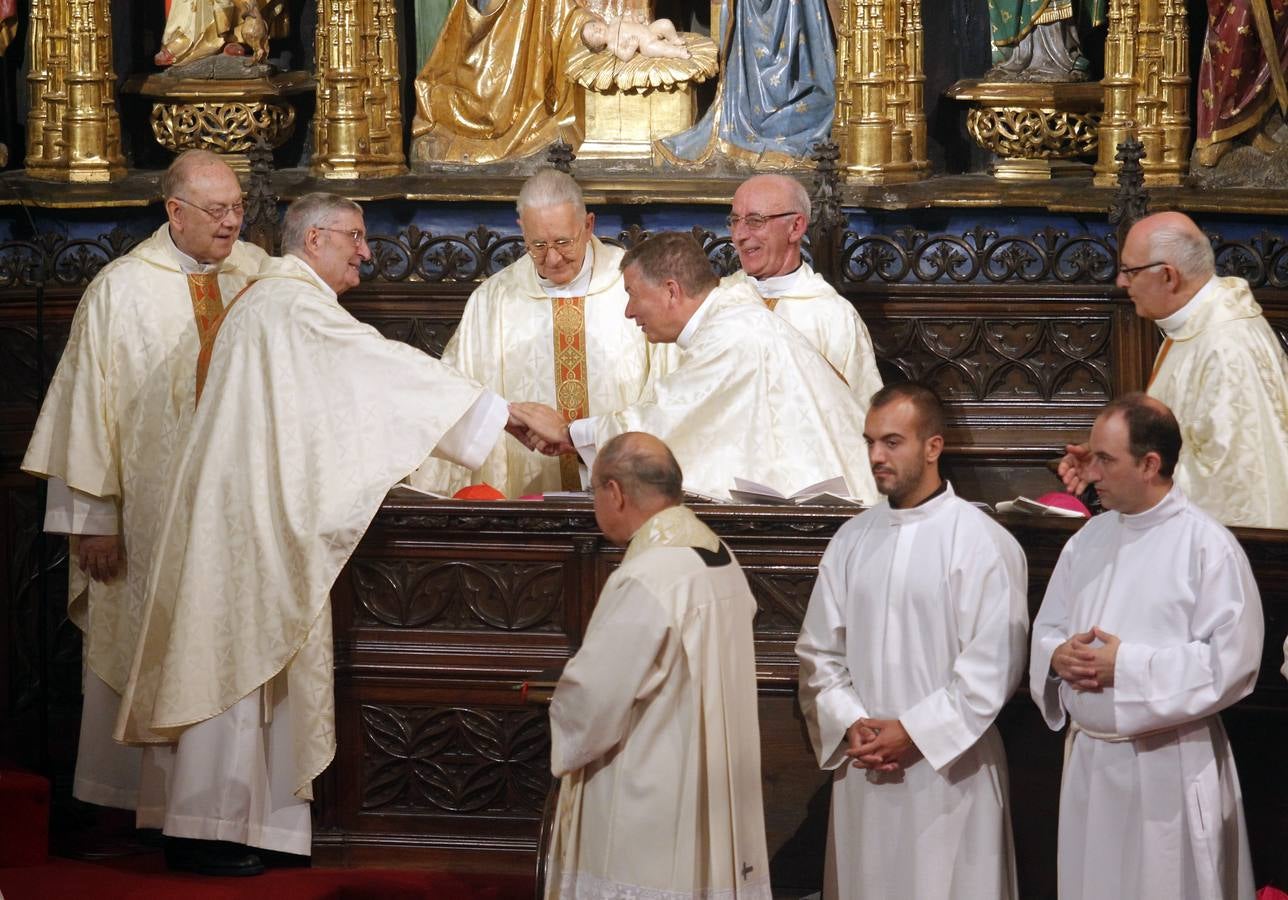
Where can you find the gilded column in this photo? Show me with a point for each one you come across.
(73, 131)
(880, 108)
(1146, 89)
(358, 122)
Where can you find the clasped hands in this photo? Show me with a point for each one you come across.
(539, 427)
(1084, 667)
(878, 744)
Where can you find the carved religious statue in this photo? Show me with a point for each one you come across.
(626, 38)
(1241, 87)
(1037, 40)
(777, 90)
(198, 29)
(494, 87)
(8, 30)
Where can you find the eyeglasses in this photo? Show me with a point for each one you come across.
(357, 235)
(755, 221)
(563, 246)
(1129, 272)
(218, 213)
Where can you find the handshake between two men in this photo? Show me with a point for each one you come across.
(541, 428)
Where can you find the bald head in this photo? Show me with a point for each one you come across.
(635, 478)
(643, 466)
(192, 165)
(203, 201)
(779, 207)
(1173, 238)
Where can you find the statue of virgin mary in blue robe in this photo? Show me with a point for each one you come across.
(778, 93)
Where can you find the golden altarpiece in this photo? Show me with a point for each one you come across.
(967, 217)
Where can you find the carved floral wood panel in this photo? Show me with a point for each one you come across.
(452, 594)
(1011, 358)
(454, 760)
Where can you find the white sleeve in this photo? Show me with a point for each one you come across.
(582, 432)
(1168, 686)
(1050, 630)
(69, 511)
(989, 591)
(828, 698)
(471, 439)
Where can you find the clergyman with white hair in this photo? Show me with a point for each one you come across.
(550, 328)
(305, 419)
(1221, 371)
(112, 419)
(767, 223)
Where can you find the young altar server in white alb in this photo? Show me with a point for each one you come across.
(1151, 625)
(746, 396)
(913, 640)
(305, 420)
(115, 413)
(653, 726)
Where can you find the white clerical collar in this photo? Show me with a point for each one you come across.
(924, 509)
(778, 285)
(1173, 324)
(188, 265)
(579, 286)
(695, 320)
(1173, 502)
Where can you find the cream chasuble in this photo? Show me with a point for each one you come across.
(1149, 801)
(654, 730)
(828, 321)
(749, 397)
(117, 411)
(917, 614)
(533, 342)
(1225, 377)
(308, 418)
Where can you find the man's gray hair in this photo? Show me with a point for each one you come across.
(550, 187)
(312, 211)
(1188, 249)
(644, 469)
(175, 179)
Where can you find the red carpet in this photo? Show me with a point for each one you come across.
(145, 877)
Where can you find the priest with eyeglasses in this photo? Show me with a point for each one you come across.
(549, 328)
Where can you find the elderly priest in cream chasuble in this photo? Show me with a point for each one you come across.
(1222, 371)
(114, 415)
(307, 418)
(569, 346)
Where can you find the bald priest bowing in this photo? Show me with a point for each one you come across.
(748, 396)
(306, 419)
(653, 727)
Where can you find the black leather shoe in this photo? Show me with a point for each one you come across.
(211, 857)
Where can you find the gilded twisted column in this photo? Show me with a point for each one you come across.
(880, 118)
(73, 131)
(1146, 89)
(358, 123)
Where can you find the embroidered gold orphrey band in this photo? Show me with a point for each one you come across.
(1158, 363)
(572, 398)
(208, 327)
(207, 308)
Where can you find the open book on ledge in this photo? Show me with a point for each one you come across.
(831, 492)
(1037, 508)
